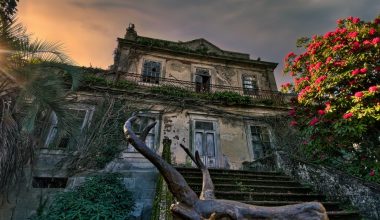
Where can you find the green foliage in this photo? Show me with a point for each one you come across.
(163, 198)
(7, 9)
(99, 143)
(90, 79)
(173, 91)
(28, 89)
(230, 97)
(337, 108)
(100, 197)
(226, 97)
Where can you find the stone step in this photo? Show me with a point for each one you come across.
(255, 188)
(268, 196)
(239, 176)
(253, 182)
(262, 188)
(343, 215)
(334, 206)
(184, 170)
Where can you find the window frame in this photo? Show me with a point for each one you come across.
(156, 116)
(250, 146)
(253, 82)
(149, 78)
(52, 131)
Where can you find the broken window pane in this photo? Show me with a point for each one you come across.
(151, 71)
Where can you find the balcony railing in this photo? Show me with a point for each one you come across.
(258, 95)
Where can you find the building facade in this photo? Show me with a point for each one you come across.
(225, 135)
(201, 96)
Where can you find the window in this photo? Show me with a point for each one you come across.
(151, 71)
(204, 142)
(261, 143)
(139, 125)
(49, 182)
(250, 85)
(81, 119)
(202, 80)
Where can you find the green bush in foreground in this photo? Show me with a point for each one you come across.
(100, 197)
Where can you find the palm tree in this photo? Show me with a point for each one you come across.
(31, 84)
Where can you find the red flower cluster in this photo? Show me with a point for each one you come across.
(359, 71)
(359, 94)
(372, 172)
(320, 79)
(348, 115)
(376, 40)
(372, 89)
(293, 123)
(313, 121)
(352, 34)
(321, 112)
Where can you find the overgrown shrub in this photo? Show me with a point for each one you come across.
(337, 79)
(100, 197)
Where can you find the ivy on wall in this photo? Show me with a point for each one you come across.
(163, 198)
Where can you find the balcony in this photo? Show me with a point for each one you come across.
(257, 95)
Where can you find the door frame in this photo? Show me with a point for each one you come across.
(193, 119)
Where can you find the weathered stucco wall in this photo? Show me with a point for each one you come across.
(230, 133)
(183, 68)
(337, 185)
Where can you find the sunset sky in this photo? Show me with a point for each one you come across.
(263, 28)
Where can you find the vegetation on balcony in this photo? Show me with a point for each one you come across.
(224, 96)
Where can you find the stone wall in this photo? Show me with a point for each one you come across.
(363, 195)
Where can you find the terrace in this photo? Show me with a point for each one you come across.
(154, 83)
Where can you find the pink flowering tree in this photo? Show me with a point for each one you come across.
(337, 108)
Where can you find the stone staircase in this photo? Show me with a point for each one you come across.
(263, 189)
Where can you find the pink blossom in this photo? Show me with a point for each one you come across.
(355, 20)
(352, 34)
(328, 106)
(338, 47)
(320, 79)
(372, 89)
(292, 112)
(367, 42)
(328, 34)
(355, 45)
(313, 121)
(355, 72)
(376, 40)
(342, 30)
(321, 112)
(290, 54)
(328, 60)
(363, 70)
(348, 115)
(376, 21)
(372, 172)
(359, 94)
(372, 31)
(293, 123)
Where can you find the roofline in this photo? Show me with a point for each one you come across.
(225, 58)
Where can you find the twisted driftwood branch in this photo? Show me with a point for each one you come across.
(190, 207)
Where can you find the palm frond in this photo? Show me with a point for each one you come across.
(38, 51)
